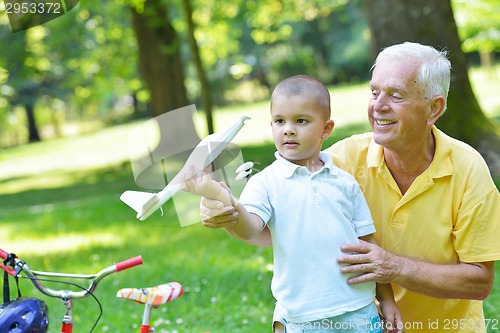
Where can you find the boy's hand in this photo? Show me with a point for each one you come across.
(203, 185)
(195, 183)
(392, 316)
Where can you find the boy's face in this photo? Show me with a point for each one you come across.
(299, 128)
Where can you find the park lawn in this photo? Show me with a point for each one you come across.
(83, 227)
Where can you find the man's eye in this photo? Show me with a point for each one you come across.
(375, 93)
(397, 97)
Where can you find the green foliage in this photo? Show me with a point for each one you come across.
(265, 41)
(478, 24)
(77, 66)
(83, 65)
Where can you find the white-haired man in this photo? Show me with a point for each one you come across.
(435, 206)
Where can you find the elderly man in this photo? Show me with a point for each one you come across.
(435, 207)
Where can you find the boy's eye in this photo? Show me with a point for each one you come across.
(279, 121)
(301, 121)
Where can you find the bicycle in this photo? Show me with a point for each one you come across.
(38, 279)
(151, 297)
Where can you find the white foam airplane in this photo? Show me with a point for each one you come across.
(145, 204)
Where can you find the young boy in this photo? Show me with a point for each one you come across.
(311, 208)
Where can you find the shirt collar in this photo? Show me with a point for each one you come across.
(375, 156)
(441, 165)
(290, 168)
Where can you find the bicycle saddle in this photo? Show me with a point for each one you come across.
(154, 296)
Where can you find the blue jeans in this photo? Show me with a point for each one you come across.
(364, 320)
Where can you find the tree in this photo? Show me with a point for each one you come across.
(479, 26)
(432, 22)
(195, 53)
(160, 59)
(74, 65)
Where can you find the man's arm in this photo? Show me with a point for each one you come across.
(460, 280)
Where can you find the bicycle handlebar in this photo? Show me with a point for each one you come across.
(129, 263)
(3, 254)
(20, 266)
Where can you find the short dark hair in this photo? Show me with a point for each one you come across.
(307, 86)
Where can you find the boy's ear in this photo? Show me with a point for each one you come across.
(329, 125)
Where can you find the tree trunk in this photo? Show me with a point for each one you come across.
(195, 53)
(160, 57)
(161, 67)
(431, 22)
(33, 135)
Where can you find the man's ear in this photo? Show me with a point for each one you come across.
(329, 125)
(437, 109)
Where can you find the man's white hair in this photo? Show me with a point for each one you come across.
(434, 71)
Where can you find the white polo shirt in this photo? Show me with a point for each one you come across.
(310, 215)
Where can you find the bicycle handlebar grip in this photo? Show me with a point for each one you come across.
(3, 254)
(129, 263)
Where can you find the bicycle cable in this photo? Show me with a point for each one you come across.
(74, 285)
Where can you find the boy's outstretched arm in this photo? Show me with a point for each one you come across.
(247, 226)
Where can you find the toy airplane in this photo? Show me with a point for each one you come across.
(202, 156)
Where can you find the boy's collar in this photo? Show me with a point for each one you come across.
(290, 168)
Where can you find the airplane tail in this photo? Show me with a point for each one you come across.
(145, 203)
(136, 199)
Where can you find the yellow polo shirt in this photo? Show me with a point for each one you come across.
(450, 213)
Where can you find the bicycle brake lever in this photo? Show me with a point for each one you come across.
(10, 271)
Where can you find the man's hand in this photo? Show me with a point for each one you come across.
(373, 262)
(215, 215)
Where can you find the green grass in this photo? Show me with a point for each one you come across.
(83, 227)
(59, 210)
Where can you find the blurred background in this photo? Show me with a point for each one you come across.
(104, 63)
(72, 90)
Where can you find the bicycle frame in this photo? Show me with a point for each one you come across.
(66, 296)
